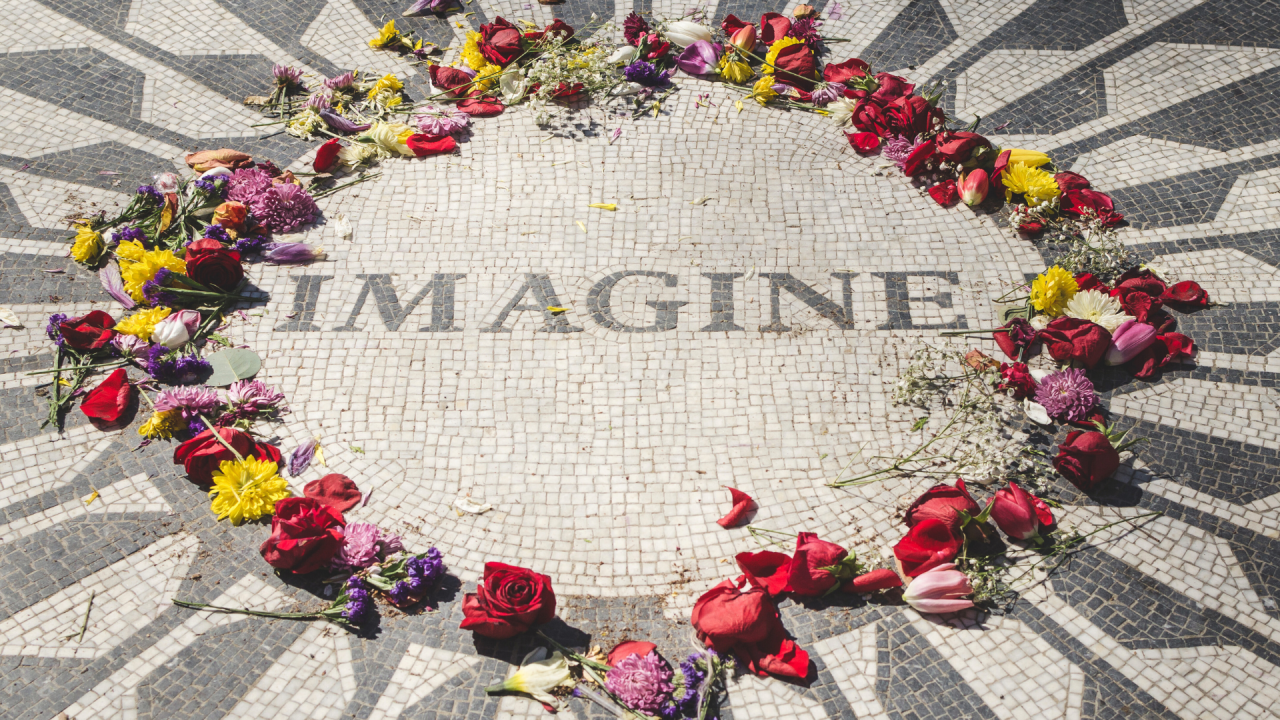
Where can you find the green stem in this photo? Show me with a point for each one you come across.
(246, 611)
(56, 370)
(214, 431)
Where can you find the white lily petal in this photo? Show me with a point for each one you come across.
(1036, 412)
(9, 318)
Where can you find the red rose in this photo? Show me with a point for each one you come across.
(448, 79)
(1031, 228)
(919, 160)
(657, 47)
(508, 601)
(1143, 280)
(807, 577)
(891, 87)
(1091, 202)
(911, 116)
(1087, 281)
(1137, 303)
(499, 42)
(1186, 296)
(732, 24)
(88, 332)
(202, 454)
(305, 535)
(796, 66)
(944, 503)
(864, 142)
(107, 402)
(926, 545)
(1017, 377)
(1020, 514)
(427, 145)
(1016, 336)
(624, 650)
(767, 570)
(327, 156)
(958, 146)
(479, 107)
(874, 581)
(1086, 459)
(219, 269)
(945, 193)
(869, 117)
(1071, 181)
(773, 27)
(845, 71)
(747, 624)
(1069, 339)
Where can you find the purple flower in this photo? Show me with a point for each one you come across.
(646, 73)
(359, 601)
(150, 194)
(52, 330)
(219, 233)
(359, 548)
(172, 369)
(191, 400)
(284, 208)
(429, 566)
(300, 458)
(1067, 394)
(130, 346)
(700, 58)
(247, 184)
(249, 244)
(155, 293)
(254, 396)
(401, 593)
(318, 101)
(806, 31)
(898, 150)
(827, 93)
(441, 120)
(341, 82)
(286, 76)
(291, 253)
(128, 233)
(205, 186)
(642, 682)
(340, 123)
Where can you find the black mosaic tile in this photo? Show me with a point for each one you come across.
(1263, 244)
(914, 682)
(1187, 199)
(23, 280)
(127, 166)
(282, 23)
(917, 34)
(83, 80)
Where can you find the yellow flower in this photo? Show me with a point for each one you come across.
(1030, 158)
(772, 56)
(137, 273)
(387, 82)
(1036, 185)
(1052, 290)
(142, 323)
(762, 92)
(88, 246)
(486, 76)
(162, 425)
(387, 36)
(735, 71)
(471, 54)
(131, 250)
(246, 489)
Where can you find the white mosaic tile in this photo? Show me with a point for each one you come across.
(312, 680)
(50, 203)
(1240, 413)
(421, 670)
(37, 465)
(754, 698)
(851, 659)
(129, 496)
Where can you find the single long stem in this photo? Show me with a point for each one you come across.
(247, 611)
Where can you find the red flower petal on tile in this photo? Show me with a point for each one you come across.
(336, 491)
(742, 504)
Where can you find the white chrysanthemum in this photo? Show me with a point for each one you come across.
(1040, 322)
(1097, 307)
(841, 111)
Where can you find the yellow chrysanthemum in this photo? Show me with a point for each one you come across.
(1052, 290)
(386, 83)
(735, 71)
(1030, 158)
(1036, 185)
(137, 273)
(471, 54)
(487, 77)
(161, 425)
(246, 489)
(131, 250)
(387, 36)
(88, 246)
(771, 57)
(762, 92)
(142, 323)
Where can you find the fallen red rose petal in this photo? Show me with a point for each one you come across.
(874, 581)
(945, 193)
(336, 491)
(864, 142)
(327, 156)
(766, 570)
(742, 504)
(624, 649)
(107, 402)
(427, 145)
(478, 107)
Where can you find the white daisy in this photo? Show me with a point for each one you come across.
(1097, 307)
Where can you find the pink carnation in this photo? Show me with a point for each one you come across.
(284, 208)
(641, 681)
(246, 184)
(359, 548)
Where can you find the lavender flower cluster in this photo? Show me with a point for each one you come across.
(359, 601)
(423, 573)
(173, 369)
(128, 233)
(154, 289)
(148, 194)
(52, 330)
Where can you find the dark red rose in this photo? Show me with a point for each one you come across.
(956, 147)
(1162, 321)
(1091, 202)
(327, 156)
(874, 581)
(796, 66)
(305, 535)
(448, 79)
(732, 24)
(1137, 303)
(1168, 348)
(892, 87)
(1086, 459)
(942, 502)
(1186, 296)
(773, 27)
(634, 28)
(499, 42)
(869, 117)
(219, 269)
(742, 504)
(508, 601)
(845, 71)
(107, 402)
(766, 570)
(201, 455)
(480, 107)
(912, 116)
(335, 490)
(1137, 279)
(864, 142)
(88, 332)
(1087, 281)
(1070, 339)
(428, 145)
(557, 28)
(928, 544)
(1071, 181)
(1031, 228)
(1016, 337)
(807, 576)
(624, 650)
(1017, 377)
(1088, 422)
(920, 160)
(747, 624)
(945, 193)
(1180, 346)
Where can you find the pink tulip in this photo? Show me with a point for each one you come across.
(1019, 513)
(189, 318)
(939, 590)
(745, 38)
(1131, 338)
(700, 58)
(973, 187)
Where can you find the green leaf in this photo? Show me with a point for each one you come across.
(1016, 311)
(921, 422)
(233, 364)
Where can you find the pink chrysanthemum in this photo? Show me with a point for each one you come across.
(1067, 394)
(192, 400)
(247, 184)
(898, 150)
(284, 208)
(441, 120)
(642, 682)
(254, 396)
(359, 548)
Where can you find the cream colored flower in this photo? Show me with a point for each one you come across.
(1097, 307)
(841, 111)
(537, 675)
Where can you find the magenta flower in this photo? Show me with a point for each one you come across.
(246, 184)
(287, 76)
(318, 101)
(700, 58)
(341, 82)
(192, 400)
(254, 396)
(642, 682)
(441, 120)
(284, 208)
(1067, 394)
(1131, 338)
(899, 149)
(359, 548)
(941, 589)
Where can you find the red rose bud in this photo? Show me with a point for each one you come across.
(202, 454)
(919, 160)
(219, 269)
(864, 142)
(1017, 377)
(88, 332)
(767, 570)
(327, 156)
(773, 27)
(499, 42)
(427, 145)
(973, 187)
(1186, 296)
(305, 535)
(742, 504)
(808, 576)
(107, 402)
(1128, 341)
(747, 624)
(1086, 459)
(1071, 339)
(851, 69)
(874, 581)
(508, 601)
(944, 193)
(1015, 513)
(926, 545)
(944, 503)
(1071, 181)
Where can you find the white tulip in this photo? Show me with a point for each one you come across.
(685, 33)
(171, 333)
(624, 54)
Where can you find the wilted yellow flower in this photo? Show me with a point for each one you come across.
(486, 76)
(131, 250)
(1030, 158)
(387, 136)
(735, 71)
(88, 246)
(387, 36)
(1052, 290)
(246, 489)
(1035, 184)
(161, 425)
(137, 273)
(142, 323)
(772, 56)
(471, 54)
(385, 83)
(762, 92)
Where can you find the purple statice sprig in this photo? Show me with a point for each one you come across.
(128, 233)
(249, 244)
(408, 578)
(154, 290)
(172, 368)
(52, 330)
(150, 195)
(646, 73)
(354, 606)
(219, 233)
